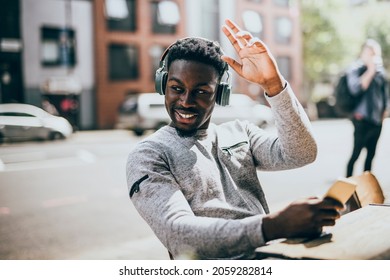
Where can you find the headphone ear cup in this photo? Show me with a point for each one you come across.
(223, 94)
(160, 81)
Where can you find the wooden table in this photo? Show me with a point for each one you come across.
(360, 235)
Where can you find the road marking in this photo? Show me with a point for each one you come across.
(86, 156)
(63, 201)
(4, 211)
(34, 161)
(24, 157)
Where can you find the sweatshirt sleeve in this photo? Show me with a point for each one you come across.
(353, 81)
(293, 145)
(158, 198)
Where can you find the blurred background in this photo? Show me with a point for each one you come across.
(90, 62)
(95, 54)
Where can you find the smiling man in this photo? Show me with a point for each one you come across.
(191, 88)
(190, 93)
(195, 183)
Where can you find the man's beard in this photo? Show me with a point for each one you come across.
(186, 133)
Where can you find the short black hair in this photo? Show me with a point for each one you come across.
(200, 50)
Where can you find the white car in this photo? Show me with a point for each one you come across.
(242, 107)
(141, 112)
(146, 111)
(23, 122)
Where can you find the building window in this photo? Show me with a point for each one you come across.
(284, 64)
(284, 28)
(210, 19)
(253, 22)
(155, 53)
(165, 17)
(121, 15)
(123, 62)
(284, 3)
(58, 46)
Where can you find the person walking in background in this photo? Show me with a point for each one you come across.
(368, 116)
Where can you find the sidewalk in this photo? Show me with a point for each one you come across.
(335, 143)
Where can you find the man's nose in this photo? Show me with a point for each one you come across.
(187, 99)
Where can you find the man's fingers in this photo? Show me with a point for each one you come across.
(329, 214)
(244, 34)
(257, 42)
(233, 64)
(243, 37)
(332, 203)
(231, 38)
(240, 38)
(232, 26)
(237, 37)
(328, 223)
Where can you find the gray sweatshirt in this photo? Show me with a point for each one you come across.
(201, 195)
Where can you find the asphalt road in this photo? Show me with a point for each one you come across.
(68, 199)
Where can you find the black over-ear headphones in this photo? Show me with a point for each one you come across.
(223, 88)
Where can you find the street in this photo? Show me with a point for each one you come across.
(68, 199)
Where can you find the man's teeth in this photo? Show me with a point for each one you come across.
(186, 116)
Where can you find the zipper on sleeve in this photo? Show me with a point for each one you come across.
(135, 186)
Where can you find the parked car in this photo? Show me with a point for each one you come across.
(23, 122)
(242, 107)
(146, 111)
(141, 112)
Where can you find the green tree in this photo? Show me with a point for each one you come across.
(323, 49)
(379, 30)
(359, 22)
